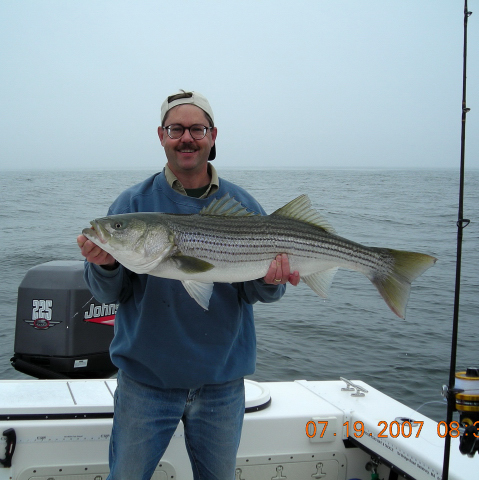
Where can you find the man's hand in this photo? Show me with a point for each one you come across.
(279, 272)
(93, 253)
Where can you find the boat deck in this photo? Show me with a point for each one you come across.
(307, 430)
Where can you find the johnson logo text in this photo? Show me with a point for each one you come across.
(104, 313)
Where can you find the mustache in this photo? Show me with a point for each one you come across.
(187, 145)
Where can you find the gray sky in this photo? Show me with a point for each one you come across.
(293, 84)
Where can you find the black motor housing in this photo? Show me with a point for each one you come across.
(61, 331)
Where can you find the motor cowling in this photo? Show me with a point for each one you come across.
(61, 330)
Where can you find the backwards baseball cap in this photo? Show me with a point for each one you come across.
(193, 98)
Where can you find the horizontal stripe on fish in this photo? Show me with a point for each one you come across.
(247, 239)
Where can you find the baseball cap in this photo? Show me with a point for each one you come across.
(193, 98)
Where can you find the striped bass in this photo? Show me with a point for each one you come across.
(227, 243)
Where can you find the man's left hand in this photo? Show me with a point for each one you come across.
(279, 272)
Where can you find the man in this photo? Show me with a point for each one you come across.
(177, 361)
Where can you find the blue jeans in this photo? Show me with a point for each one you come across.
(146, 418)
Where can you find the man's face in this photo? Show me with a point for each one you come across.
(186, 154)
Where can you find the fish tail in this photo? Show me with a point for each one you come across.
(395, 286)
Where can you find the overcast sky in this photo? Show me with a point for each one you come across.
(293, 84)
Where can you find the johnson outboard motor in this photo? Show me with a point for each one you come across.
(61, 330)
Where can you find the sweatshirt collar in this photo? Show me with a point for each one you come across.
(176, 185)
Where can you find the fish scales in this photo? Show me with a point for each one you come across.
(246, 239)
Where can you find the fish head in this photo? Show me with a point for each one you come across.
(139, 241)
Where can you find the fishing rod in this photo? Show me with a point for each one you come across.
(468, 441)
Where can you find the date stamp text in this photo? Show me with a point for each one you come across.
(392, 429)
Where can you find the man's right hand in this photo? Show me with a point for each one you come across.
(94, 254)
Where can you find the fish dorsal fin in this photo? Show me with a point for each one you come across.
(226, 206)
(300, 209)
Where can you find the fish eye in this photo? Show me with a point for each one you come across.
(118, 225)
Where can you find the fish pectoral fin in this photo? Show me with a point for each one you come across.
(189, 264)
(320, 282)
(199, 291)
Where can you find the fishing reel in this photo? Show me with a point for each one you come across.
(466, 393)
(469, 441)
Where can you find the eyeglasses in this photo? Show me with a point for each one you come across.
(197, 131)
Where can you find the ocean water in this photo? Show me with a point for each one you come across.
(352, 333)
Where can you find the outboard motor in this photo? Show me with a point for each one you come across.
(61, 330)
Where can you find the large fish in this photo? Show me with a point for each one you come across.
(227, 243)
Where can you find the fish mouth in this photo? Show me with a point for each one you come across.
(96, 232)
